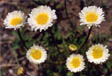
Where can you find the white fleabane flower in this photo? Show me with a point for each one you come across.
(14, 20)
(91, 15)
(41, 18)
(75, 63)
(36, 54)
(97, 54)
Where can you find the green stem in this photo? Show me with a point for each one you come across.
(16, 57)
(21, 39)
(84, 43)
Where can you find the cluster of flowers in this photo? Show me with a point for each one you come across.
(42, 17)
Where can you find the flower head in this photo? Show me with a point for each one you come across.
(72, 47)
(20, 70)
(75, 63)
(97, 54)
(36, 54)
(41, 18)
(14, 20)
(91, 15)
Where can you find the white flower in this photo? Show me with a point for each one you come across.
(14, 20)
(41, 18)
(97, 54)
(75, 63)
(36, 54)
(91, 15)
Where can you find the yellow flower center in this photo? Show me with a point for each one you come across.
(97, 52)
(91, 17)
(42, 18)
(75, 63)
(36, 54)
(15, 21)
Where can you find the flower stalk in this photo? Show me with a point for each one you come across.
(21, 39)
(83, 44)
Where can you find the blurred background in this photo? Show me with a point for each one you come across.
(55, 40)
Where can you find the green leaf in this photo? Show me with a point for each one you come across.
(29, 44)
(58, 35)
(56, 74)
(69, 74)
(60, 68)
(59, 6)
(16, 47)
(109, 65)
(49, 73)
(15, 34)
(105, 70)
